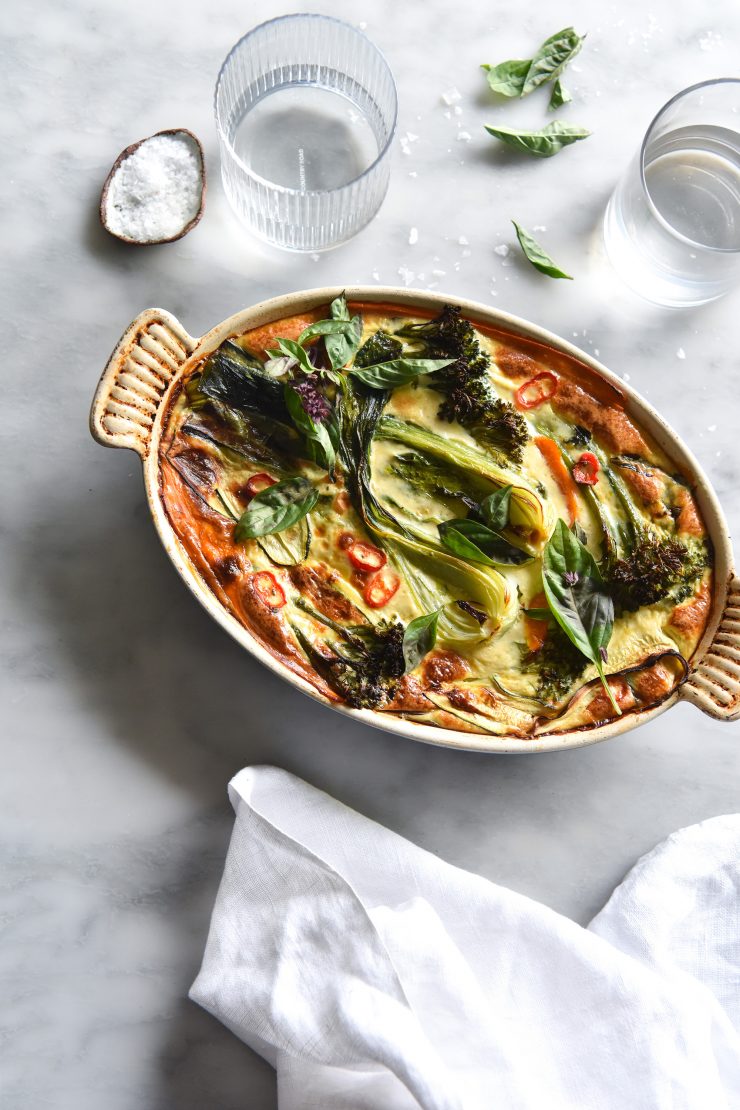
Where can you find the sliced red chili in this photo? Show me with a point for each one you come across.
(269, 589)
(381, 588)
(586, 469)
(364, 556)
(537, 390)
(258, 482)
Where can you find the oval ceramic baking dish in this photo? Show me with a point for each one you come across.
(129, 410)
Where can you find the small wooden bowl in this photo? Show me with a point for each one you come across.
(127, 154)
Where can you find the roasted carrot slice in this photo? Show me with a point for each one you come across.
(550, 452)
(535, 631)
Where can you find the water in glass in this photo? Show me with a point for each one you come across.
(306, 137)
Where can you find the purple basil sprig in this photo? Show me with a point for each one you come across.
(314, 403)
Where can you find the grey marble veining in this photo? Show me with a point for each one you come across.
(125, 708)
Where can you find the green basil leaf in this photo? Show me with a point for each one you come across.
(469, 539)
(495, 508)
(464, 546)
(552, 58)
(540, 144)
(318, 439)
(419, 639)
(399, 371)
(341, 333)
(538, 614)
(338, 308)
(577, 598)
(324, 327)
(290, 349)
(341, 347)
(559, 96)
(534, 253)
(276, 508)
(521, 76)
(507, 78)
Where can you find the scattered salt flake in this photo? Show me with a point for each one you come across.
(375, 275)
(711, 427)
(501, 250)
(451, 96)
(680, 353)
(413, 173)
(493, 292)
(466, 253)
(464, 136)
(710, 40)
(315, 257)
(406, 141)
(596, 351)
(456, 266)
(457, 110)
(539, 227)
(438, 273)
(421, 277)
(413, 236)
(463, 241)
(625, 377)
(406, 275)
(447, 115)
(362, 25)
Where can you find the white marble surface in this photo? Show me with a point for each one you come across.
(126, 709)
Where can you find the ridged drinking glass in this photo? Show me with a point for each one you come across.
(306, 111)
(672, 226)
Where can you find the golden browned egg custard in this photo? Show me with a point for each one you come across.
(429, 517)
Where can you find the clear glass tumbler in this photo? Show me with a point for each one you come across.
(672, 226)
(306, 110)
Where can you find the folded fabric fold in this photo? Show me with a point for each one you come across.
(373, 975)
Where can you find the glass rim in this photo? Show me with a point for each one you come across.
(651, 203)
(293, 16)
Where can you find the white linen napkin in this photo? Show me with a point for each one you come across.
(374, 976)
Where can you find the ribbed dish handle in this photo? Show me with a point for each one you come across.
(714, 686)
(148, 356)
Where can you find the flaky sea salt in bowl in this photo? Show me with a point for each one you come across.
(155, 191)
